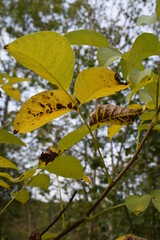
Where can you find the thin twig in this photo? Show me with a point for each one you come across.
(63, 219)
(97, 147)
(110, 187)
(61, 213)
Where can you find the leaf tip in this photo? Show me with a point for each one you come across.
(86, 179)
(6, 46)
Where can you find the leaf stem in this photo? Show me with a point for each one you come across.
(7, 205)
(57, 218)
(104, 211)
(96, 145)
(63, 219)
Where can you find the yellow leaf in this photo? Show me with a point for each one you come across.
(113, 130)
(17, 80)
(46, 53)
(86, 179)
(97, 82)
(41, 109)
(136, 107)
(6, 175)
(5, 163)
(12, 92)
(4, 184)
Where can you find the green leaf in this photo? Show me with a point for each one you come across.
(152, 90)
(148, 116)
(17, 80)
(4, 184)
(47, 236)
(124, 66)
(145, 45)
(145, 81)
(158, 8)
(155, 197)
(144, 19)
(97, 82)
(6, 137)
(66, 166)
(12, 92)
(146, 126)
(137, 204)
(107, 55)
(73, 137)
(144, 96)
(136, 76)
(22, 196)
(48, 54)
(41, 181)
(86, 37)
(5, 163)
(6, 175)
(26, 175)
(42, 108)
(113, 130)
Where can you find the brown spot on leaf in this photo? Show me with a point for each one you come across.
(6, 46)
(48, 156)
(15, 131)
(49, 105)
(69, 105)
(42, 105)
(60, 106)
(118, 80)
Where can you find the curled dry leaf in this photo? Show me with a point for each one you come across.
(113, 114)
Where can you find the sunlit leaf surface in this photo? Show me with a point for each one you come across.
(48, 54)
(97, 82)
